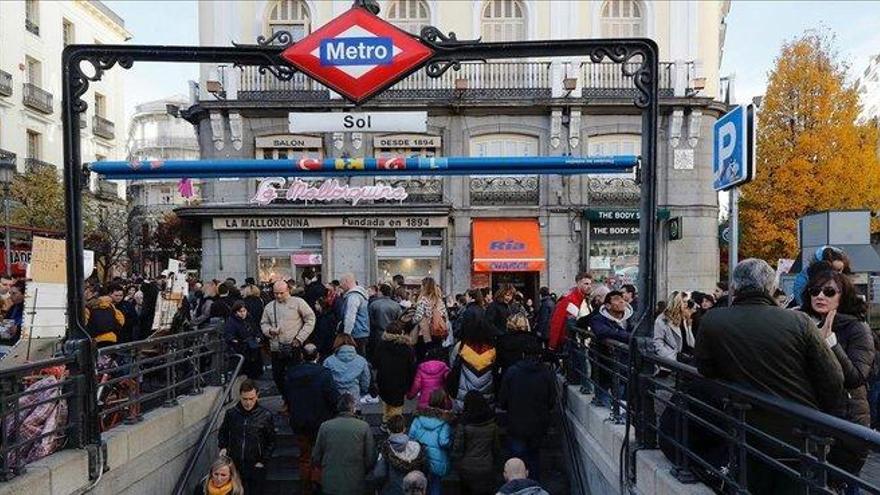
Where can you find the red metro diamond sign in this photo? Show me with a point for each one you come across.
(357, 54)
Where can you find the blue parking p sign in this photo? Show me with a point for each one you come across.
(734, 148)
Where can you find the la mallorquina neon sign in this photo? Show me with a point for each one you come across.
(329, 190)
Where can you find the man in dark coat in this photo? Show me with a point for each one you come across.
(773, 350)
(545, 312)
(247, 436)
(314, 289)
(528, 393)
(345, 450)
(383, 310)
(311, 396)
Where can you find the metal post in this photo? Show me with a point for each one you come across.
(733, 253)
(7, 243)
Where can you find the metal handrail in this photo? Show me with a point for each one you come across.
(818, 429)
(219, 404)
(17, 402)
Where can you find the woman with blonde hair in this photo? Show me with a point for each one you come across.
(672, 329)
(432, 322)
(223, 479)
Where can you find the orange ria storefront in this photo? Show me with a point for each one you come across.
(507, 251)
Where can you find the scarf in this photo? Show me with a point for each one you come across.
(221, 490)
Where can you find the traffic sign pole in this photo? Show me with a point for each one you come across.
(733, 248)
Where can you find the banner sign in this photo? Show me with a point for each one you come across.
(305, 259)
(320, 222)
(48, 261)
(613, 231)
(289, 141)
(412, 141)
(358, 121)
(329, 190)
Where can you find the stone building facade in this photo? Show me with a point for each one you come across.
(480, 230)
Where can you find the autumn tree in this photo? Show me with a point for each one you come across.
(177, 238)
(37, 199)
(106, 233)
(812, 153)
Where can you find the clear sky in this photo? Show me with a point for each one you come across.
(756, 29)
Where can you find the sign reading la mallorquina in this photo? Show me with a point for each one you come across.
(329, 190)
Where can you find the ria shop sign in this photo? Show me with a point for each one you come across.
(358, 54)
(272, 188)
(734, 148)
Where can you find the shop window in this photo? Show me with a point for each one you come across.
(615, 144)
(289, 239)
(267, 239)
(386, 237)
(616, 259)
(275, 267)
(311, 238)
(432, 237)
(412, 269)
(500, 190)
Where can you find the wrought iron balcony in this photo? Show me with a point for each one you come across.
(613, 191)
(508, 191)
(5, 83)
(31, 164)
(418, 189)
(102, 127)
(32, 26)
(37, 98)
(6, 155)
(473, 81)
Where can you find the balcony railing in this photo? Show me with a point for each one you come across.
(509, 191)
(102, 127)
(6, 155)
(164, 142)
(32, 26)
(474, 80)
(37, 98)
(418, 189)
(5, 83)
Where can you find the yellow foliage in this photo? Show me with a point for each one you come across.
(812, 153)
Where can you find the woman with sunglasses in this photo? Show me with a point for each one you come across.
(673, 338)
(831, 300)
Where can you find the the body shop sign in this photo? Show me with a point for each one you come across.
(270, 189)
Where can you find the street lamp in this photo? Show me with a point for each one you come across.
(7, 171)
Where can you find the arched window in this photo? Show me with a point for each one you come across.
(409, 15)
(504, 20)
(622, 19)
(290, 15)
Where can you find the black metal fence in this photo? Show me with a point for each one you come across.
(43, 405)
(732, 438)
(41, 411)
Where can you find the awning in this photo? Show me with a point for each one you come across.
(507, 245)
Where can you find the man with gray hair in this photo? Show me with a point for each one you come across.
(776, 351)
(415, 483)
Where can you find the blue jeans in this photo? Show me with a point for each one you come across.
(529, 452)
(435, 484)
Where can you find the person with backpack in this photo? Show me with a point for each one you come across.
(398, 456)
(432, 428)
(430, 376)
(474, 365)
(477, 446)
(430, 318)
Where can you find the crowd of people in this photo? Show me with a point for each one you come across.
(473, 364)
(12, 312)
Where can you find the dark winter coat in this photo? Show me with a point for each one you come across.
(545, 312)
(240, 337)
(397, 457)
(311, 392)
(528, 393)
(383, 310)
(247, 436)
(345, 451)
(395, 365)
(512, 346)
(773, 350)
(855, 353)
(314, 292)
(496, 315)
(522, 486)
(130, 331)
(476, 450)
(467, 318)
(254, 305)
(473, 370)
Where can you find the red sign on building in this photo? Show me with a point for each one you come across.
(358, 54)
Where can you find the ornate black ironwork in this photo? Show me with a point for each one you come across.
(81, 80)
(642, 76)
(617, 191)
(278, 38)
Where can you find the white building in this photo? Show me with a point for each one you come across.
(33, 34)
(868, 86)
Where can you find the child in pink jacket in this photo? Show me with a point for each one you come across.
(430, 376)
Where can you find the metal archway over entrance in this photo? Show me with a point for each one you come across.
(328, 55)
